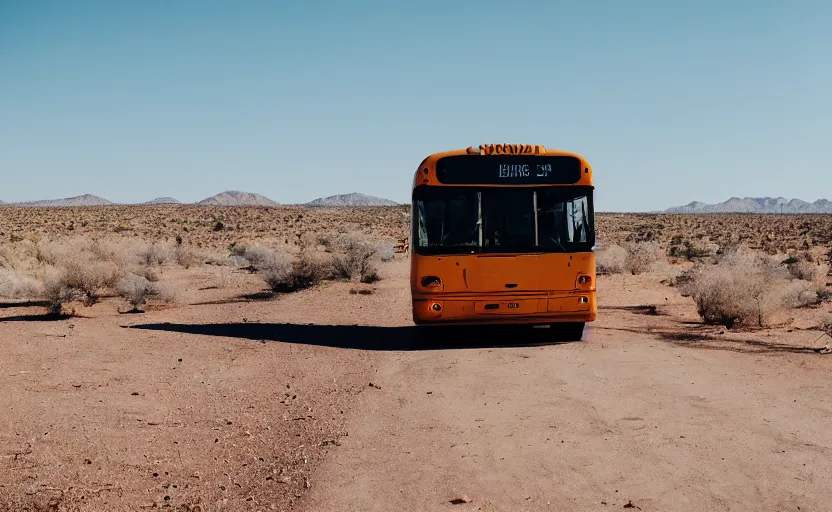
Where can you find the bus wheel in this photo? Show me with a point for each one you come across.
(567, 331)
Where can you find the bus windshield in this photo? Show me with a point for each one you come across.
(465, 220)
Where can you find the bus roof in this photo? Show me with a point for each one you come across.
(426, 172)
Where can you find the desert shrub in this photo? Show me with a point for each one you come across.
(14, 285)
(57, 293)
(825, 326)
(687, 249)
(136, 290)
(235, 249)
(148, 273)
(153, 254)
(611, 260)
(259, 256)
(808, 271)
(324, 240)
(287, 274)
(726, 250)
(824, 294)
(121, 252)
(370, 277)
(21, 256)
(682, 280)
(355, 258)
(309, 269)
(386, 252)
(742, 289)
(8, 260)
(184, 256)
(640, 256)
(91, 278)
(799, 294)
(276, 269)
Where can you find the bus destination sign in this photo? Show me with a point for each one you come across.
(522, 169)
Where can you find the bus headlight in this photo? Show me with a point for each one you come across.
(584, 280)
(437, 307)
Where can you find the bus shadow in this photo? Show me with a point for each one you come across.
(360, 337)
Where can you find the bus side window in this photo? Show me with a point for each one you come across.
(579, 208)
(423, 230)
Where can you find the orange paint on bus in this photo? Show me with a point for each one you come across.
(532, 286)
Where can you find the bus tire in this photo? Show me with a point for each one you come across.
(567, 331)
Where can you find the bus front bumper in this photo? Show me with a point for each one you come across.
(551, 308)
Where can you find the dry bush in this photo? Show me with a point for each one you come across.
(185, 256)
(56, 292)
(386, 252)
(682, 280)
(90, 277)
(136, 290)
(122, 252)
(219, 260)
(314, 241)
(153, 254)
(641, 256)
(8, 258)
(22, 256)
(148, 273)
(285, 273)
(310, 269)
(14, 285)
(808, 271)
(688, 249)
(83, 269)
(261, 256)
(811, 277)
(825, 326)
(799, 294)
(742, 289)
(370, 277)
(611, 260)
(275, 267)
(355, 259)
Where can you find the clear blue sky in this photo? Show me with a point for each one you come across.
(670, 102)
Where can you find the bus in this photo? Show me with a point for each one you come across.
(504, 234)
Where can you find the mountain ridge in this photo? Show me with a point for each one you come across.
(237, 198)
(163, 200)
(350, 199)
(82, 200)
(756, 205)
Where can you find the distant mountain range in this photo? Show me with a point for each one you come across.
(352, 199)
(227, 198)
(85, 200)
(756, 205)
(237, 198)
(164, 200)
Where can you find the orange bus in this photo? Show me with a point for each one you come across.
(504, 234)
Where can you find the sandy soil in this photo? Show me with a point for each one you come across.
(237, 401)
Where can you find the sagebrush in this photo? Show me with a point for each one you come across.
(741, 289)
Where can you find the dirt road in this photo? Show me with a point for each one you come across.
(624, 420)
(247, 404)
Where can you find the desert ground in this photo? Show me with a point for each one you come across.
(233, 388)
